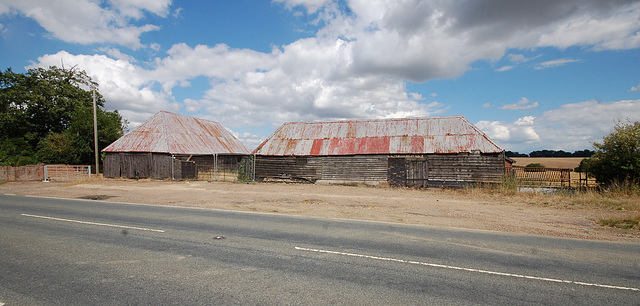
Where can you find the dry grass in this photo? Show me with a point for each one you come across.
(622, 201)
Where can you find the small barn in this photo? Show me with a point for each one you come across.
(175, 146)
(420, 152)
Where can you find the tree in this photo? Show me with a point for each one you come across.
(515, 154)
(617, 158)
(51, 110)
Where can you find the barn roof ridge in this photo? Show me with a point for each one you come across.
(373, 120)
(418, 135)
(167, 132)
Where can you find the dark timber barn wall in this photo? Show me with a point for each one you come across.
(139, 165)
(420, 152)
(398, 170)
(136, 165)
(314, 168)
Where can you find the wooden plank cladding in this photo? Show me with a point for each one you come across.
(138, 165)
(466, 168)
(411, 171)
(314, 168)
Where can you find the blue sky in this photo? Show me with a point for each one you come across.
(533, 75)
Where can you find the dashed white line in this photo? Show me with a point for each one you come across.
(468, 269)
(95, 223)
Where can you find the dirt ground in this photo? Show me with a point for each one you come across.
(528, 214)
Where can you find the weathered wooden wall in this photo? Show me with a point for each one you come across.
(158, 165)
(286, 167)
(331, 168)
(447, 169)
(138, 165)
(415, 171)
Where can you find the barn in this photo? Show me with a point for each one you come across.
(175, 146)
(414, 152)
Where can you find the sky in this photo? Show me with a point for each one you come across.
(533, 75)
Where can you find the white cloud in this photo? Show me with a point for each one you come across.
(522, 131)
(505, 68)
(123, 85)
(555, 63)
(312, 5)
(496, 130)
(573, 126)
(635, 88)
(516, 58)
(87, 22)
(354, 67)
(523, 104)
(117, 54)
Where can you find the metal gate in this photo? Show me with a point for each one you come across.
(189, 169)
(417, 173)
(66, 172)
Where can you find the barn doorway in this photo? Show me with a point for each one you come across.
(417, 173)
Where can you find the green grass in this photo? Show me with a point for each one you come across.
(624, 223)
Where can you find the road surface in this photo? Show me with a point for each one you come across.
(82, 252)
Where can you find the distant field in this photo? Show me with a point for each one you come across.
(550, 162)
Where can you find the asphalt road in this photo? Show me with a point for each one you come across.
(82, 252)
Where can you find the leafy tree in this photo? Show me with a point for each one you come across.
(617, 158)
(12, 149)
(51, 110)
(583, 153)
(515, 154)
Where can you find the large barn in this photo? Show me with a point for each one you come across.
(432, 151)
(174, 146)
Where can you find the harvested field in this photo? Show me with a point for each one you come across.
(550, 162)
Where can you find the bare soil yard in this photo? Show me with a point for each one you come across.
(528, 213)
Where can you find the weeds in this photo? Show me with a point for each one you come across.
(624, 223)
(508, 184)
(617, 198)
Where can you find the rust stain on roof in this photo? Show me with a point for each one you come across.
(445, 135)
(171, 133)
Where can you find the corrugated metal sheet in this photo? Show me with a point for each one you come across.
(171, 133)
(453, 134)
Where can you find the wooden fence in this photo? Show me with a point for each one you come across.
(542, 177)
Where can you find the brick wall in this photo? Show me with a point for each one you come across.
(24, 173)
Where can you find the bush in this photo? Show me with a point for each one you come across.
(617, 158)
(25, 160)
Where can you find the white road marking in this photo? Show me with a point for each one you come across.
(95, 223)
(468, 269)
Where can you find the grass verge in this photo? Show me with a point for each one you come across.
(622, 201)
(624, 223)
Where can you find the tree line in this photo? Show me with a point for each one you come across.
(46, 116)
(551, 153)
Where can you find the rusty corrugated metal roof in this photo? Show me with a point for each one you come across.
(171, 133)
(453, 134)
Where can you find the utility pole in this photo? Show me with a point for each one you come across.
(95, 130)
